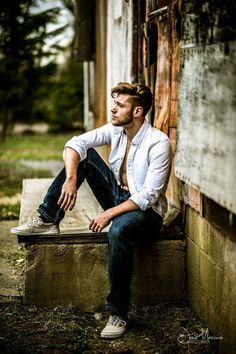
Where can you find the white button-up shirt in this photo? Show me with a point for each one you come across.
(148, 163)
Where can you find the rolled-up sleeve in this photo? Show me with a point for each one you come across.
(94, 138)
(157, 176)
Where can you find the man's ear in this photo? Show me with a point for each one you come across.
(138, 111)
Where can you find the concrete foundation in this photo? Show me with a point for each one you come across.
(76, 273)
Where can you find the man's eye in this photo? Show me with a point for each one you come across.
(118, 104)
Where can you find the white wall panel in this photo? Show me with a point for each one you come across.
(119, 45)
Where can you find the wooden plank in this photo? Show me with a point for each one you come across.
(64, 238)
(162, 89)
(77, 220)
(193, 198)
(220, 218)
(67, 237)
(74, 227)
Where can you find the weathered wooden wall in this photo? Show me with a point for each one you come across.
(163, 84)
(166, 78)
(206, 142)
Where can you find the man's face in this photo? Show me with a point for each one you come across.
(122, 112)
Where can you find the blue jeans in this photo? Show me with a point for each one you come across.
(124, 230)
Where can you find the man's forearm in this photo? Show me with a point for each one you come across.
(71, 160)
(69, 189)
(122, 208)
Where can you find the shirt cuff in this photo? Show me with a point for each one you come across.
(82, 150)
(140, 201)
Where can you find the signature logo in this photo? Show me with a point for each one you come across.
(203, 337)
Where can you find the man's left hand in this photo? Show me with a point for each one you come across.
(99, 222)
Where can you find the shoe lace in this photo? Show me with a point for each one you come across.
(116, 320)
(35, 220)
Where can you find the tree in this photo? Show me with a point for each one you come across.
(64, 101)
(23, 36)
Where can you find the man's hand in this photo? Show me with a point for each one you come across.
(68, 195)
(100, 221)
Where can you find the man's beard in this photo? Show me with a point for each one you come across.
(127, 120)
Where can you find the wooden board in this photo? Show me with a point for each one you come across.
(65, 237)
(75, 221)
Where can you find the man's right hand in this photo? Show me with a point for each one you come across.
(68, 195)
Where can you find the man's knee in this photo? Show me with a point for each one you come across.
(119, 233)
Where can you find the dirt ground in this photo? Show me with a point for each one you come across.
(167, 328)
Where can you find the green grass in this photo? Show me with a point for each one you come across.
(29, 147)
(34, 147)
(9, 211)
(12, 174)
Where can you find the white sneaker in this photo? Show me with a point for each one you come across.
(114, 328)
(35, 226)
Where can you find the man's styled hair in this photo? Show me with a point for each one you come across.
(141, 95)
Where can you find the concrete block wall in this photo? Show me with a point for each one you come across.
(211, 277)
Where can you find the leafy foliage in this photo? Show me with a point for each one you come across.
(23, 49)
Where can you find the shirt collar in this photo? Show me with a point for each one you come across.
(140, 134)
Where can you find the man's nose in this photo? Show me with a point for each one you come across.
(113, 109)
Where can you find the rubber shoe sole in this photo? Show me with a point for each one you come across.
(51, 230)
(112, 336)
